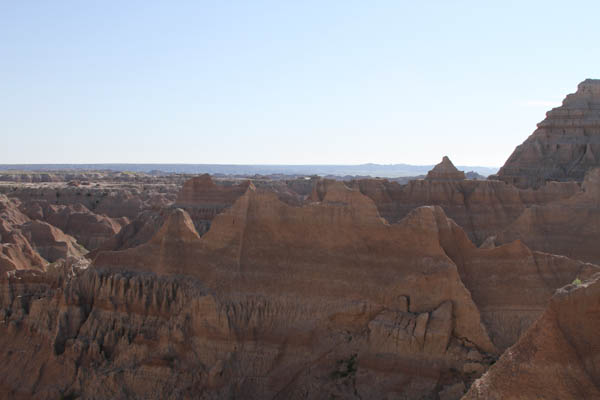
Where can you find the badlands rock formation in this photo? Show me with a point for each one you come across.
(16, 252)
(445, 171)
(564, 146)
(277, 301)
(137, 232)
(204, 199)
(306, 288)
(31, 244)
(569, 227)
(481, 208)
(50, 242)
(557, 358)
(90, 229)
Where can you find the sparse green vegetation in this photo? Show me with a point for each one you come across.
(576, 282)
(345, 368)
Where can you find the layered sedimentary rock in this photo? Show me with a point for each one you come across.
(564, 146)
(31, 244)
(50, 242)
(570, 227)
(90, 229)
(307, 288)
(285, 316)
(557, 358)
(510, 284)
(15, 250)
(530, 276)
(481, 208)
(137, 232)
(445, 171)
(203, 199)
(274, 301)
(113, 200)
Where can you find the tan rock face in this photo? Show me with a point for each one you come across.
(481, 208)
(16, 252)
(90, 229)
(50, 242)
(291, 287)
(570, 227)
(557, 357)
(203, 199)
(298, 290)
(137, 232)
(200, 197)
(445, 171)
(564, 146)
(326, 298)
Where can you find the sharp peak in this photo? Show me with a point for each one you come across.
(178, 225)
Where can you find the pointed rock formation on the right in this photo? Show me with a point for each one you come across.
(565, 144)
(445, 171)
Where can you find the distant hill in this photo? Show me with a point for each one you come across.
(380, 170)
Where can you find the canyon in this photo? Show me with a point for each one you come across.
(177, 286)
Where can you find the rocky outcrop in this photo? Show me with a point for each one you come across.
(137, 232)
(279, 299)
(266, 248)
(481, 208)
(203, 199)
(570, 227)
(113, 200)
(564, 146)
(90, 229)
(50, 242)
(557, 357)
(445, 171)
(91, 333)
(200, 197)
(16, 252)
(311, 310)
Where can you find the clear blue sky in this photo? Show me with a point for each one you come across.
(285, 82)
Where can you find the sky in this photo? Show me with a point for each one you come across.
(285, 82)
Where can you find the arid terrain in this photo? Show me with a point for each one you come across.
(131, 285)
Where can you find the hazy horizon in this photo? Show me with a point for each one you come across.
(267, 83)
(373, 170)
